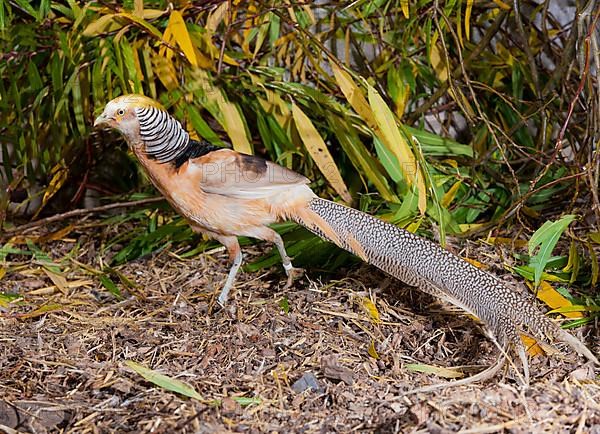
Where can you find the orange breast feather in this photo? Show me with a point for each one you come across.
(229, 193)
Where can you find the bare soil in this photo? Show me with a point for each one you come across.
(311, 359)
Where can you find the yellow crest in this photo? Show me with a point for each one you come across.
(136, 100)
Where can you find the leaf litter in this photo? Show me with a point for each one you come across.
(78, 355)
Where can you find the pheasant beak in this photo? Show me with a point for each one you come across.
(102, 120)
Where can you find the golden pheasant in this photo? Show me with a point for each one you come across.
(224, 194)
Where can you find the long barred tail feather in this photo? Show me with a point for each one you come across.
(419, 262)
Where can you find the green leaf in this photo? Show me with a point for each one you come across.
(26, 7)
(284, 304)
(245, 401)
(528, 272)
(202, 128)
(432, 144)
(389, 160)
(360, 156)
(163, 381)
(546, 238)
(40, 255)
(110, 286)
(440, 371)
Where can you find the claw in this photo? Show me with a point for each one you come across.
(292, 273)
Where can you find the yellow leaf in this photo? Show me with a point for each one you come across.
(354, 95)
(402, 98)
(141, 22)
(50, 307)
(216, 16)
(180, 33)
(404, 6)
(59, 176)
(371, 309)
(464, 101)
(395, 141)
(438, 63)
(58, 279)
(320, 154)
(476, 263)
(138, 8)
(450, 162)
(165, 70)
(164, 50)
(150, 14)
(224, 111)
(532, 346)
(373, 351)
(464, 227)
(392, 137)
(99, 26)
(2, 272)
(57, 235)
(573, 263)
(450, 194)
(235, 127)
(309, 11)
(502, 5)
(468, 19)
(414, 226)
(554, 299)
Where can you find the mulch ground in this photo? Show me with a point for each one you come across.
(311, 359)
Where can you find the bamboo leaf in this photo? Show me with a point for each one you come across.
(143, 23)
(58, 280)
(138, 8)
(395, 141)
(546, 293)
(151, 14)
(320, 154)
(99, 26)
(42, 310)
(435, 370)
(27, 7)
(371, 309)
(373, 351)
(391, 136)
(180, 34)
(245, 401)
(354, 95)
(216, 17)
(389, 160)
(468, 10)
(546, 238)
(59, 175)
(450, 194)
(360, 156)
(163, 381)
(226, 112)
(404, 6)
(234, 125)
(107, 282)
(165, 71)
(438, 63)
(532, 346)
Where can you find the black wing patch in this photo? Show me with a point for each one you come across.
(194, 149)
(250, 163)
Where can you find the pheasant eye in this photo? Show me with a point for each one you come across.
(120, 112)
